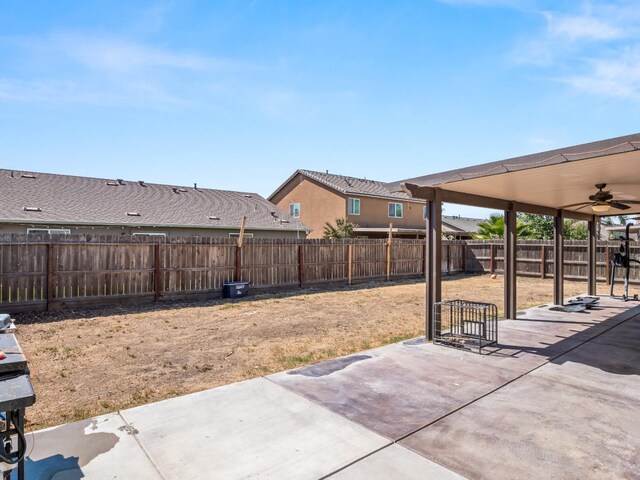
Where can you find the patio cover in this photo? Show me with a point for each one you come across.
(542, 183)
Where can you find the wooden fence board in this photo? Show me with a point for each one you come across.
(63, 271)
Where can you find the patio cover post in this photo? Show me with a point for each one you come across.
(510, 245)
(558, 258)
(592, 255)
(433, 262)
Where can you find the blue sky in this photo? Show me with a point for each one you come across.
(238, 94)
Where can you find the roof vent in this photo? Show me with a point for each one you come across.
(195, 186)
(179, 190)
(120, 181)
(133, 214)
(213, 217)
(28, 175)
(113, 184)
(274, 214)
(32, 209)
(284, 221)
(246, 195)
(142, 184)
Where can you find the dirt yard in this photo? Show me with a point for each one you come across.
(86, 363)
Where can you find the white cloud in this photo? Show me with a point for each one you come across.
(117, 55)
(599, 43)
(102, 70)
(581, 27)
(617, 76)
(489, 3)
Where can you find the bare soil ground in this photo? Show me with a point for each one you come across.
(85, 363)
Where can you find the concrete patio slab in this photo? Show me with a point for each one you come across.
(248, 430)
(575, 417)
(100, 448)
(558, 398)
(626, 335)
(599, 366)
(396, 389)
(518, 350)
(396, 462)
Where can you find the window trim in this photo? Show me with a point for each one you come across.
(292, 210)
(50, 231)
(351, 201)
(150, 234)
(396, 209)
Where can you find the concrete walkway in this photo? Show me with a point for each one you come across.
(559, 398)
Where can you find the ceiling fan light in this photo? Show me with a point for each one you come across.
(601, 208)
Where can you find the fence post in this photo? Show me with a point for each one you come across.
(350, 262)
(464, 257)
(607, 260)
(301, 265)
(492, 257)
(389, 247)
(156, 272)
(543, 262)
(51, 274)
(448, 259)
(238, 276)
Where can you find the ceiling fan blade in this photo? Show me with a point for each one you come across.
(632, 202)
(584, 204)
(619, 206)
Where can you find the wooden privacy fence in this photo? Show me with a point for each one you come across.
(65, 272)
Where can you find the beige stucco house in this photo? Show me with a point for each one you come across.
(317, 198)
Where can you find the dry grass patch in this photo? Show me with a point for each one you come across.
(92, 362)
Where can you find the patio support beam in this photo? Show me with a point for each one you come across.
(592, 247)
(558, 258)
(433, 259)
(510, 242)
(461, 198)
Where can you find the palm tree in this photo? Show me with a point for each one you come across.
(493, 227)
(342, 229)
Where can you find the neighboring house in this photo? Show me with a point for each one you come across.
(460, 228)
(43, 202)
(616, 232)
(317, 198)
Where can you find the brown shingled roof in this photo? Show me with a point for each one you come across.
(94, 201)
(351, 185)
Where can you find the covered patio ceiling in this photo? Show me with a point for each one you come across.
(556, 183)
(543, 182)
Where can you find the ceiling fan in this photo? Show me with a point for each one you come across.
(602, 201)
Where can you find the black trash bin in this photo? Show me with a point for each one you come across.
(235, 289)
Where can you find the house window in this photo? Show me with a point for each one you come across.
(354, 206)
(237, 235)
(395, 210)
(294, 210)
(50, 231)
(424, 212)
(150, 234)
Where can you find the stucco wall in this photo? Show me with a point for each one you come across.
(318, 204)
(374, 213)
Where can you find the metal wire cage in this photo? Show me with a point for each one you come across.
(465, 324)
